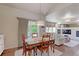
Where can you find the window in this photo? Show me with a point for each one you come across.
(54, 29)
(50, 29)
(47, 29)
(32, 28)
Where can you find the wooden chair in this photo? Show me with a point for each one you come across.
(51, 42)
(52, 45)
(44, 45)
(26, 48)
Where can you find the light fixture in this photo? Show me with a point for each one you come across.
(68, 16)
(40, 22)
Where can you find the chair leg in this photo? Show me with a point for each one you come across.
(36, 51)
(53, 48)
(30, 52)
(48, 53)
(24, 52)
(41, 53)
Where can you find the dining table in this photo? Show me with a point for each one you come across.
(36, 42)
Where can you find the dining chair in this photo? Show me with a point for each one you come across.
(44, 45)
(52, 45)
(51, 42)
(26, 48)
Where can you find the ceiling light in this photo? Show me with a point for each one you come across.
(68, 16)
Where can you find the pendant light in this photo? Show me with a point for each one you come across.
(40, 22)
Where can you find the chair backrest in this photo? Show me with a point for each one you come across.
(45, 37)
(23, 40)
(45, 40)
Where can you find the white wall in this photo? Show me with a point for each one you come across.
(9, 24)
(73, 33)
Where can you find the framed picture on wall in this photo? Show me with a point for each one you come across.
(66, 31)
(77, 33)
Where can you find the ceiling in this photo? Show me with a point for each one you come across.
(32, 7)
(40, 8)
(51, 10)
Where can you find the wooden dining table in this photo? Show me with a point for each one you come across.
(36, 43)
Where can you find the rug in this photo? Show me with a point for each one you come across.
(56, 53)
(72, 43)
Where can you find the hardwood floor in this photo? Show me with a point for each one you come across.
(9, 52)
(67, 51)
